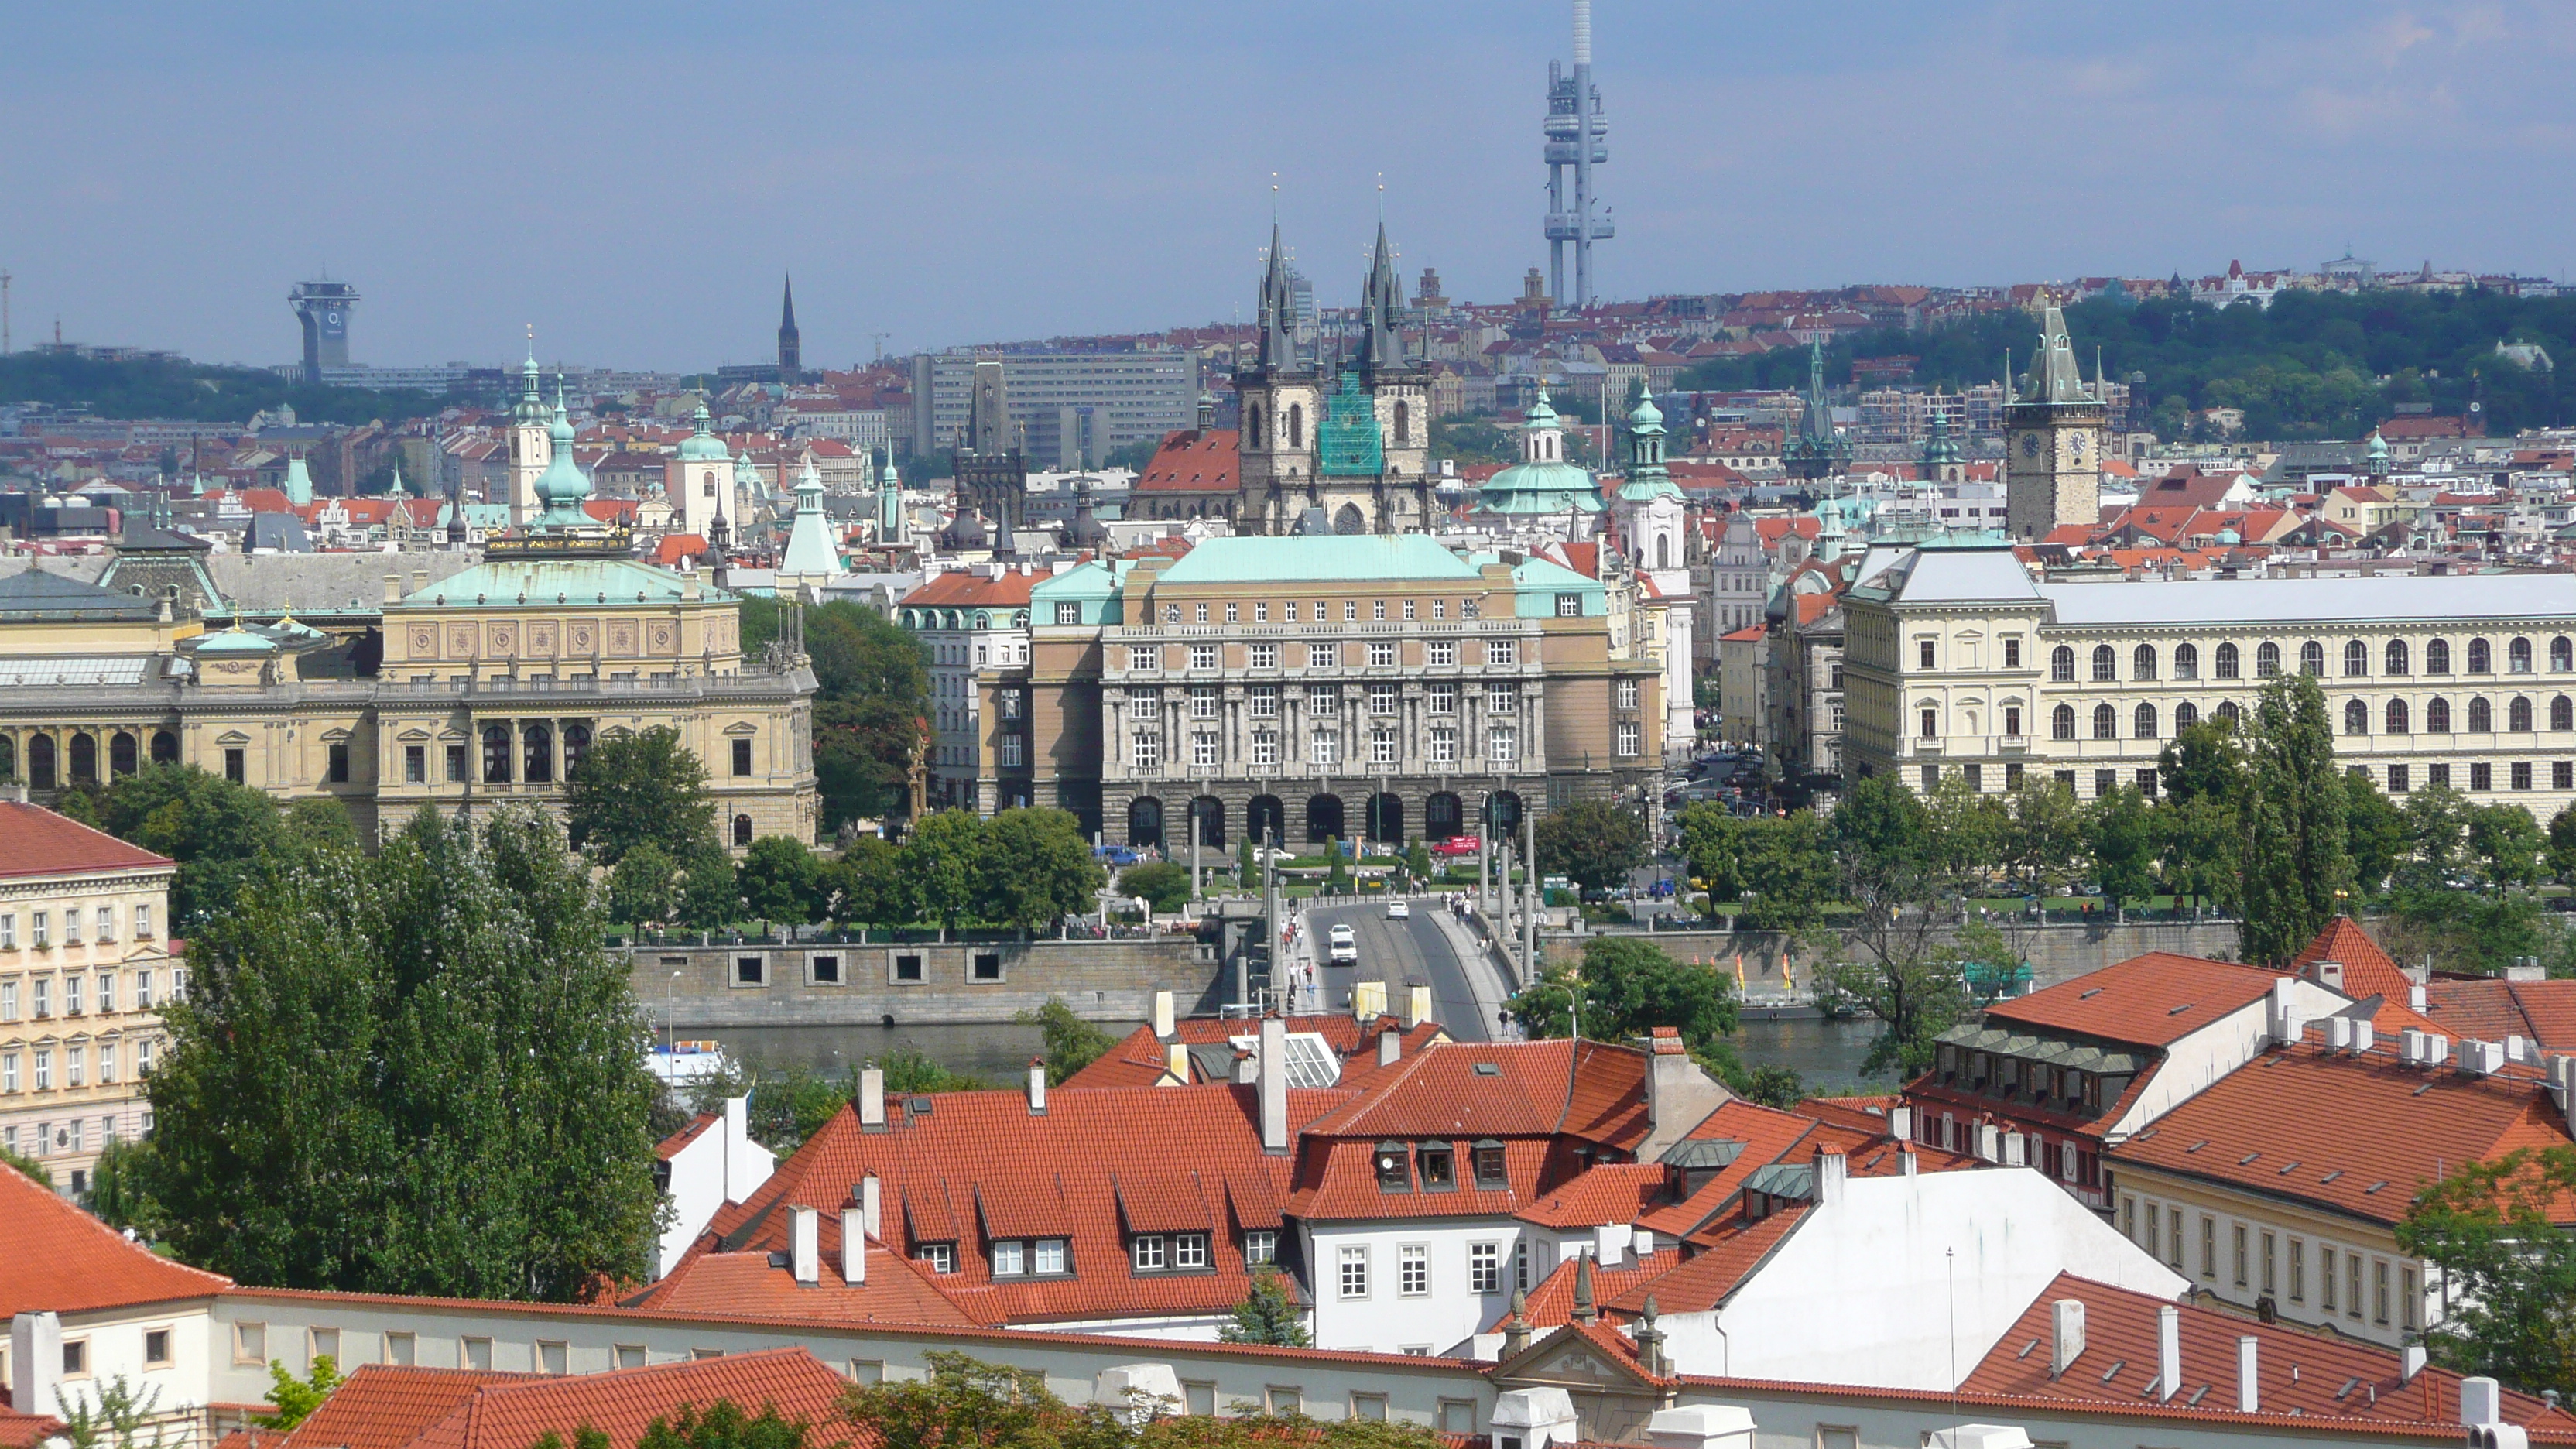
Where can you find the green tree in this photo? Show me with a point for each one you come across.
(644, 887)
(414, 1073)
(1882, 834)
(1593, 843)
(777, 880)
(2043, 842)
(2508, 844)
(942, 864)
(117, 1415)
(2376, 830)
(872, 691)
(866, 885)
(2494, 1232)
(724, 1425)
(2468, 932)
(629, 789)
(1268, 1314)
(219, 832)
(1337, 869)
(1967, 830)
(295, 1398)
(2436, 831)
(320, 823)
(1630, 986)
(1071, 1042)
(1247, 871)
(36, 1171)
(2297, 857)
(1165, 886)
(910, 1069)
(117, 1192)
(710, 894)
(1034, 868)
(2203, 761)
(2562, 845)
(1417, 862)
(2122, 840)
(1782, 868)
(1897, 967)
(2196, 843)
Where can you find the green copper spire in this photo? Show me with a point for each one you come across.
(1940, 450)
(703, 446)
(1647, 476)
(562, 488)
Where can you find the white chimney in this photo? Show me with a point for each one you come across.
(2339, 1033)
(2411, 1363)
(2284, 1013)
(1163, 1016)
(871, 1214)
(2016, 1150)
(1037, 1086)
(1642, 1242)
(1831, 1170)
(737, 1149)
(1900, 1123)
(2418, 998)
(2363, 1035)
(2168, 1351)
(1368, 999)
(2249, 1380)
(2481, 1401)
(1990, 1142)
(1274, 1085)
(2065, 1334)
(2410, 1046)
(854, 1246)
(1905, 1158)
(805, 1245)
(2437, 1049)
(1176, 1064)
(2328, 974)
(1390, 1048)
(2481, 1058)
(872, 1098)
(1701, 1426)
(1417, 1006)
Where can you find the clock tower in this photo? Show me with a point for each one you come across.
(2052, 441)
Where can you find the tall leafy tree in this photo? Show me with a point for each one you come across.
(2562, 845)
(630, 789)
(1034, 867)
(1071, 1042)
(2043, 842)
(219, 832)
(2496, 1232)
(866, 885)
(2508, 844)
(943, 866)
(2297, 856)
(415, 1073)
(871, 691)
(2122, 836)
(778, 880)
(2375, 829)
(1627, 985)
(1593, 843)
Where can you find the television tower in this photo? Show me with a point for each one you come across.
(323, 308)
(1576, 136)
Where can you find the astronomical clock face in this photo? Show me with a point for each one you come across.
(2075, 449)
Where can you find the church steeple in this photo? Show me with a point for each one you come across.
(1381, 302)
(791, 351)
(1278, 308)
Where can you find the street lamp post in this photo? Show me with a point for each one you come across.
(670, 1017)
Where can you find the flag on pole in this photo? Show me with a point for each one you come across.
(1739, 971)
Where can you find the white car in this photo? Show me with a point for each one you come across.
(1399, 910)
(1345, 949)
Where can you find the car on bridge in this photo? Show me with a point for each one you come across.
(1345, 946)
(1398, 910)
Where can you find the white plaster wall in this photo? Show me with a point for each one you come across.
(1388, 1321)
(2195, 1063)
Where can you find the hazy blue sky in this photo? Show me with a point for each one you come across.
(633, 178)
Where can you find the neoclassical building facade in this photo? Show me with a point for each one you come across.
(1958, 662)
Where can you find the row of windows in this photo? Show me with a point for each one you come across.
(67, 1137)
(44, 762)
(2519, 775)
(1146, 1253)
(2437, 716)
(1261, 701)
(1434, 1166)
(1352, 1269)
(75, 1060)
(1324, 747)
(1382, 654)
(2259, 1261)
(101, 920)
(75, 1001)
(2396, 659)
(2396, 718)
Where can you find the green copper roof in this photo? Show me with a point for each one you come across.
(1410, 557)
(562, 487)
(809, 542)
(509, 583)
(702, 446)
(235, 641)
(299, 483)
(1349, 445)
(1647, 477)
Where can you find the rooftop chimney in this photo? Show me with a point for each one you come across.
(1163, 1016)
(871, 1216)
(1037, 1086)
(1831, 1171)
(1417, 1006)
(2328, 974)
(854, 1246)
(1390, 1047)
(2168, 1351)
(2249, 1381)
(2284, 1013)
(1368, 999)
(872, 1098)
(1247, 1068)
(2339, 1033)
(1176, 1064)
(2363, 1035)
(805, 1244)
(393, 588)
(2016, 1150)
(1274, 1085)
(1900, 1123)
(2065, 1334)
(2410, 1363)
(2481, 1401)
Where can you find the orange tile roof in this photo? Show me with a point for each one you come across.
(389, 1407)
(1589, 1090)
(1190, 461)
(1551, 1303)
(2491, 1009)
(1613, 1192)
(965, 588)
(670, 1147)
(1140, 1058)
(897, 1290)
(36, 841)
(2302, 1374)
(2151, 1000)
(62, 1260)
(1728, 1255)
(26, 1431)
(2354, 1134)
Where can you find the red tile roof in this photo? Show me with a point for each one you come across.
(1140, 1058)
(1617, 1192)
(2354, 1134)
(62, 1260)
(1590, 1090)
(1551, 1303)
(36, 841)
(2367, 972)
(2311, 1376)
(969, 589)
(2152, 1000)
(2492, 1009)
(1190, 461)
(669, 1147)
(897, 1290)
(389, 1407)
(26, 1431)
(1727, 1255)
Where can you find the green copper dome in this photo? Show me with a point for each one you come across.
(703, 446)
(562, 487)
(1542, 481)
(1647, 477)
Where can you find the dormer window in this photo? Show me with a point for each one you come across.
(938, 1257)
(1394, 1171)
(1438, 1165)
(1491, 1175)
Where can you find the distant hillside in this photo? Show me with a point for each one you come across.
(2310, 367)
(193, 392)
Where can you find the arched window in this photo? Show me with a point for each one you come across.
(2518, 715)
(2437, 656)
(1403, 421)
(2356, 659)
(2312, 658)
(2437, 716)
(2106, 664)
(2061, 665)
(742, 830)
(2397, 717)
(2061, 723)
(496, 755)
(2228, 661)
(2267, 660)
(165, 747)
(120, 754)
(1252, 427)
(2106, 722)
(2396, 660)
(1663, 544)
(2481, 720)
(84, 754)
(576, 744)
(2228, 711)
(2145, 721)
(2562, 654)
(40, 762)
(540, 753)
(2356, 718)
(2185, 716)
(2479, 661)
(2142, 662)
(1296, 425)
(2518, 656)
(2186, 662)
(2562, 713)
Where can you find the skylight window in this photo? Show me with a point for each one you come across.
(1311, 1061)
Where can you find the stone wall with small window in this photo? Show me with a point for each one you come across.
(853, 983)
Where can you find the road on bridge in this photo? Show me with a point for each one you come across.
(1432, 948)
